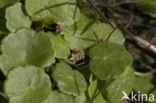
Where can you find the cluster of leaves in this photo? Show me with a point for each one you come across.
(62, 38)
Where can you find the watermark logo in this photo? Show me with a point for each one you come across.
(125, 96)
(138, 96)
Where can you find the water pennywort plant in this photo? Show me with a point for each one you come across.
(86, 64)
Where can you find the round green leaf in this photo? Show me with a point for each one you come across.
(58, 97)
(81, 35)
(124, 83)
(107, 58)
(60, 45)
(15, 18)
(58, 11)
(27, 85)
(27, 47)
(69, 81)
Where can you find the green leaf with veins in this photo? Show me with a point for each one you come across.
(32, 9)
(27, 85)
(69, 81)
(81, 34)
(16, 18)
(93, 90)
(58, 97)
(58, 11)
(114, 92)
(108, 57)
(124, 82)
(27, 47)
(60, 45)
